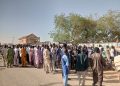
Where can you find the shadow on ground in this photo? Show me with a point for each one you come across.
(51, 84)
(112, 81)
(2, 68)
(72, 79)
(110, 77)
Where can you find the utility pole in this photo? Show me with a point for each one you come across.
(13, 38)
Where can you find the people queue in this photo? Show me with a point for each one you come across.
(51, 57)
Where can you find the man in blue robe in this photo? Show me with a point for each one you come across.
(65, 66)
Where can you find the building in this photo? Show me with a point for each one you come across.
(29, 39)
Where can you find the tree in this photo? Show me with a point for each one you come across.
(61, 33)
(109, 25)
(73, 28)
(78, 29)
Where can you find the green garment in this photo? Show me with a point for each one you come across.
(104, 55)
(10, 56)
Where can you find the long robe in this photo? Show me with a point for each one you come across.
(19, 55)
(23, 56)
(37, 56)
(40, 56)
(31, 56)
(53, 59)
(65, 69)
(46, 56)
(16, 59)
(10, 56)
(58, 53)
(97, 67)
(27, 52)
(4, 53)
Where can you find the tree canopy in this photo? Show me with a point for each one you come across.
(78, 29)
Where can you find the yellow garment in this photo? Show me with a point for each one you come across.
(46, 56)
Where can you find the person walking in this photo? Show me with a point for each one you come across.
(82, 66)
(97, 67)
(65, 66)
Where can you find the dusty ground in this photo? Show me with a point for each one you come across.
(37, 77)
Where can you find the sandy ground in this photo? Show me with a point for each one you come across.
(37, 77)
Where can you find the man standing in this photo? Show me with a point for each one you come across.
(37, 53)
(82, 66)
(10, 56)
(109, 61)
(16, 59)
(53, 51)
(112, 53)
(23, 56)
(65, 66)
(97, 67)
(4, 54)
(46, 56)
(31, 56)
(58, 53)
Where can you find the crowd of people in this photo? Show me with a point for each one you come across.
(51, 57)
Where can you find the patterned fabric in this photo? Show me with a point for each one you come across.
(10, 56)
(23, 56)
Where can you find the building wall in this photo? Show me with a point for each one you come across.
(97, 44)
(30, 40)
(23, 41)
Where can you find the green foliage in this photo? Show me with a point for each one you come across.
(78, 29)
(109, 24)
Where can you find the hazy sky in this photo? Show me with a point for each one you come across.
(22, 17)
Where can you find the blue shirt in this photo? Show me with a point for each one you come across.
(65, 64)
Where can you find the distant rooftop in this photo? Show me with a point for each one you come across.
(28, 36)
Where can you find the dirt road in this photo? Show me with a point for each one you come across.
(37, 77)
